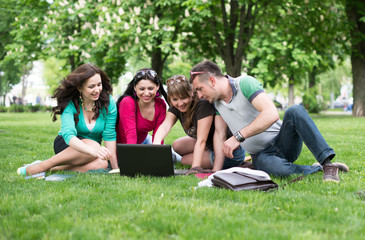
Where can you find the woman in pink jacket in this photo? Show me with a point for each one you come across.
(141, 108)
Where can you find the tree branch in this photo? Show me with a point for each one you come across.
(213, 24)
(224, 14)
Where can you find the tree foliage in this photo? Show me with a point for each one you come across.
(151, 30)
(26, 43)
(78, 32)
(225, 28)
(283, 43)
(9, 71)
(296, 42)
(54, 72)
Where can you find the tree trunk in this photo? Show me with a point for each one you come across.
(1, 90)
(156, 59)
(24, 86)
(291, 92)
(233, 68)
(358, 75)
(26, 72)
(71, 60)
(239, 22)
(312, 77)
(354, 10)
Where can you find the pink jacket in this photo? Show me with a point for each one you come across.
(131, 127)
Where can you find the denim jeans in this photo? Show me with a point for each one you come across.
(148, 140)
(278, 156)
(238, 158)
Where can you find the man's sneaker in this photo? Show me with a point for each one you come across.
(341, 166)
(330, 173)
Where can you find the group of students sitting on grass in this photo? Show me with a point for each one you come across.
(223, 118)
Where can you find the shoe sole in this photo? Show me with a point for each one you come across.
(331, 180)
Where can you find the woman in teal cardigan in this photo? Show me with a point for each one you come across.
(88, 115)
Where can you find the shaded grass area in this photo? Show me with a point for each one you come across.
(95, 206)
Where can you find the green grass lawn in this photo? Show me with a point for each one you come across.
(101, 206)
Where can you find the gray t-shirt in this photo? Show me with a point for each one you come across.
(239, 112)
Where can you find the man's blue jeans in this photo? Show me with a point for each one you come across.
(277, 158)
(238, 158)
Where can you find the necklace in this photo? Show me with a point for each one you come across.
(88, 109)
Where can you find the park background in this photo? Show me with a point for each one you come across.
(301, 51)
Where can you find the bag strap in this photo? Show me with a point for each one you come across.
(260, 178)
(297, 179)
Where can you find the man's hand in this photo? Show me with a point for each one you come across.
(229, 146)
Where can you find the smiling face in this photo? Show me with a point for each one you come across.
(182, 104)
(91, 89)
(146, 90)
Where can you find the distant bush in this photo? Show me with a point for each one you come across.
(46, 108)
(3, 109)
(34, 108)
(278, 105)
(312, 101)
(16, 108)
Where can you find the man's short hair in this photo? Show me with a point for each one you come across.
(208, 67)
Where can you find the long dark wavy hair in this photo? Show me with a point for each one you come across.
(179, 86)
(142, 74)
(68, 91)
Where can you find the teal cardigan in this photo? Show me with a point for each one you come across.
(104, 127)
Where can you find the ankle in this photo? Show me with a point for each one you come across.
(327, 162)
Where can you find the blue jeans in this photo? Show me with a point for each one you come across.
(238, 158)
(148, 140)
(278, 156)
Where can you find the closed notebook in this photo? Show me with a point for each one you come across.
(242, 181)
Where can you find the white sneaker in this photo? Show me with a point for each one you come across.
(175, 156)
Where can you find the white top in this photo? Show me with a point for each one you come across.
(90, 126)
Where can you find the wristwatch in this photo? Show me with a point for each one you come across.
(239, 136)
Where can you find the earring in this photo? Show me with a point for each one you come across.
(157, 94)
(135, 94)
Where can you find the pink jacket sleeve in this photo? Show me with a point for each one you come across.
(127, 116)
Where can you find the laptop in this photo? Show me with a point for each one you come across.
(146, 159)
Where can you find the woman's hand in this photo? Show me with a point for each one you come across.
(103, 153)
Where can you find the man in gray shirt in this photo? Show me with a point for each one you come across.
(254, 121)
